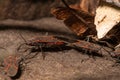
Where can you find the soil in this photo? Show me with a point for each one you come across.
(57, 65)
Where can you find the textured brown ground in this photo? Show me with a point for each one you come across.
(60, 65)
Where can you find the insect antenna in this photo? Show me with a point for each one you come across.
(22, 38)
(22, 43)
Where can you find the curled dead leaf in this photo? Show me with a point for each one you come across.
(73, 20)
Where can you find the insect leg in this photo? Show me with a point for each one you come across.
(88, 38)
(21, 46)
(43, 54)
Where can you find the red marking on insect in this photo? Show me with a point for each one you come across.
(57, 43)
(52, 41)
(45, 41)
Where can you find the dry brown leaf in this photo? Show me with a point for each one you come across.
(73, 20)
(88, 6)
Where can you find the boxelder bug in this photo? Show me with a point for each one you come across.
(42, 42)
